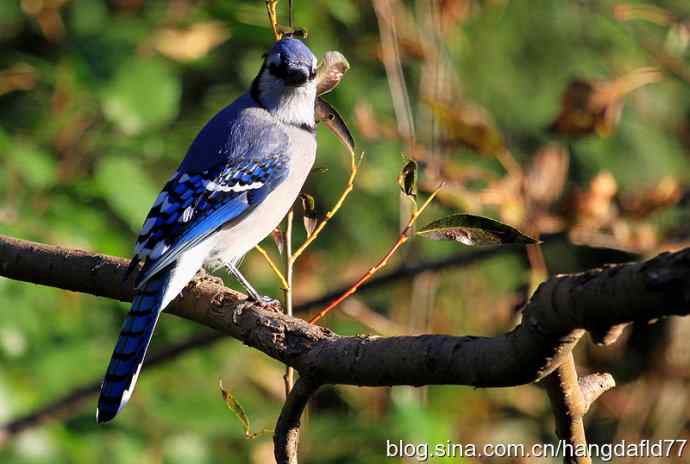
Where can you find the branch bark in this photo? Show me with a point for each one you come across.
(286, 437)
(556, 317)
(568, 405)
(69, 403)
(600, 301)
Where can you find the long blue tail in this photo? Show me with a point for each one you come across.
(130, 349)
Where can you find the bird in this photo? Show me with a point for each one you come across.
(239, 178)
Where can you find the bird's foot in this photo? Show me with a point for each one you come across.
(266, 302)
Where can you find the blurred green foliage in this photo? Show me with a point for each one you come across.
(94, 118)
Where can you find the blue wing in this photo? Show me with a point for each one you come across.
(192, 207)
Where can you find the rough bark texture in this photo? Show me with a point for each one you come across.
(286, 437)
(600, 301)
(554, 319)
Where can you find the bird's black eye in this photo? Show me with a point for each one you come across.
(294, 74)
(297, 75)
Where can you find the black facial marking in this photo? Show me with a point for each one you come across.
(292, 73)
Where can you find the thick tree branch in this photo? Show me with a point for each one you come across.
(68, 404)
(571, 397)
(286, 437)
(553, 321)
(569, 406)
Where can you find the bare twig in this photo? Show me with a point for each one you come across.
(404, 237)
(271, 9)
(343, 196)
(291, 14)
(272, 265)
(385, 14)
(289, 267)
(286, 437)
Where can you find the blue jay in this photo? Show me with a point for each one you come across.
(240, 176)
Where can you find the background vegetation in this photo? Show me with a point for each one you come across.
(100, 99)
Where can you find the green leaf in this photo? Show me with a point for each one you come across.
(130, 203)
(238, 410)
(473, 230)
(407, 180)
(35, 165)
(144, 94)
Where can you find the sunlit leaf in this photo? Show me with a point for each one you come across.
(191, 43)
(36, 166)
(329, 116)
(238, 410)
(310, 218)
(473, 230)
(330, 72)
(407, 180)
(144, 94)
(130, 203)
(468, 125)
(20, 76)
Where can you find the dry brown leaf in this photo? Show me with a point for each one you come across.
(641, 204)
(468, 125)
(331, 72)
(547, 174)
(191, 43)
(589, 107)
(20, 76)
(594, 207)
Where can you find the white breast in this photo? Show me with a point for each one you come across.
(235, 241)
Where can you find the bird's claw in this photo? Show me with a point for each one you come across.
(266, 302)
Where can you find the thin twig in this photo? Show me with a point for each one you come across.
(273, 266)
(271, 9)
(386, 17)
(343, 196)
(286, 437)
(404, 237)
(289, 268)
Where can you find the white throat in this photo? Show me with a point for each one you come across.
(290, 105)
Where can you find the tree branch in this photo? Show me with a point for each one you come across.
(595, 385)
(286, 437)
(553, 321)
(568, 405)
(67, 405)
